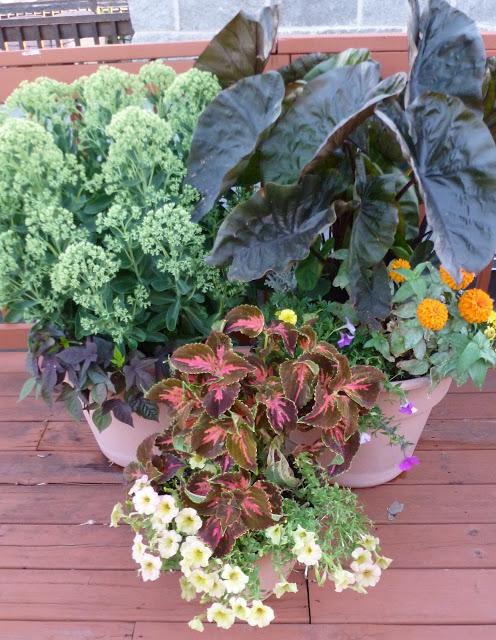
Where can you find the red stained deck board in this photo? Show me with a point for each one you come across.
(456, 406)
(65, 547)
(114, 595)
(68, 436)
(439, 546)
(66, 467)
(29, 630)
(423, 504)
(31, 409)
(462, 434)
(30, 546)
(163, 631)
(20, 435)
(12, 362)
(408, 596)
(11, 383)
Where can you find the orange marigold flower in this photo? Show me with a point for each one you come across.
(475, 306)
(447, 279)
(404, 264)
(432, 314)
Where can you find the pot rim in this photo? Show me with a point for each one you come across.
(416, 383)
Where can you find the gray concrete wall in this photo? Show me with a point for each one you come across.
(162, 20)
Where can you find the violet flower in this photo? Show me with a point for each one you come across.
(408, 409)
(351, 327)
(365, 437)
(408, 463)
(345, 340)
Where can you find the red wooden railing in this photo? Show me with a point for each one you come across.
(66, 65)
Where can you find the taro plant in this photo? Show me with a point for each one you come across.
(292, 394)
(340, 159)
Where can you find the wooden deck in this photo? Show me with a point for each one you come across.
(64, 574)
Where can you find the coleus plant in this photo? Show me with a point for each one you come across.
(252, 414)
(345, 158)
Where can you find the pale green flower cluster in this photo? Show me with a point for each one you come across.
(184, 101)
(34, 169)
(43, 98)
(95, 229)
(111, 90)
(157, 75)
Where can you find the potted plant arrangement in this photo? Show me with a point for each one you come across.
(354, 183)
(226, 494)
(97, 243)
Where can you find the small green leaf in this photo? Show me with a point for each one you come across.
(99, 393)
(27, 387)
(414, 367)
(101, 420)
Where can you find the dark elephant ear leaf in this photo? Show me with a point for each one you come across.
(242, 48)
(335, 60)
(447, 54)
(489, 93)
(271, 230)
(370, 294)
(298, 69)
(453, 157)
(228, 133)
(329, 108)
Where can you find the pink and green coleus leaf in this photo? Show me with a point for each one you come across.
(273, 493)
(341, 451)
(256, 510)
(219, 342)
(349, 415)
(260, 370)
(237, 480)
(220, 397)
(171, 392)
(145, 451)
(164, 441)
(242, 448)
(282, 412)
(325, 412)
(245, 319)
(365, 385)
(298, 380)
(327, 350)
(208, 437)
(199, 358)
(286, 332)
(227, 512)
(170, 466)
(221, 543)
(241, 413)
(307, 338)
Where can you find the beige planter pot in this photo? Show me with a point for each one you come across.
(119, 441)
(376, 461)
(269, 577)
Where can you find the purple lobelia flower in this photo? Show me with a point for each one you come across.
(408, 463)
(365, 437)
(345, 340)
(408, 409)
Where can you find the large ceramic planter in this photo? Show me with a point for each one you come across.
(376, 461)
(119, 441)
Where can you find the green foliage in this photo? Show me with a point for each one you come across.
(95, 230)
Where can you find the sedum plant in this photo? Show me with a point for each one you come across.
(229, 482)
(96, 228)
(341, 158)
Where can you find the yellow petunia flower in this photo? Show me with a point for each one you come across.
(490, 333)
(475, 306)
(403, 264)
(432, 314)
(287, 315)
(447, 279)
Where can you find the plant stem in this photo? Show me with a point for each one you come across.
(404, 189)
(318, 255)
